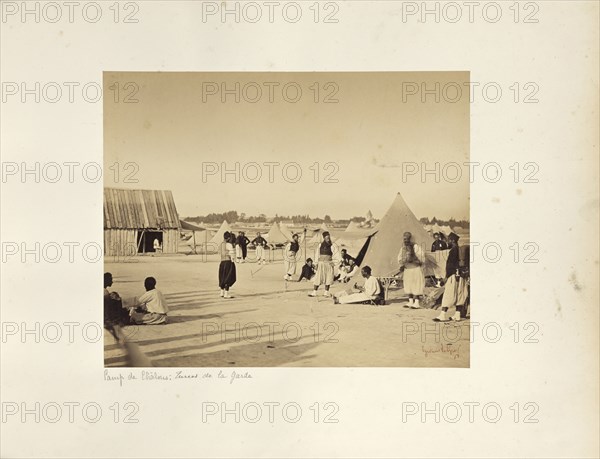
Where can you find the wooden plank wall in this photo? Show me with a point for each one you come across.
(120, 243)
(170, 241)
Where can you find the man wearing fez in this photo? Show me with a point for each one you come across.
(456, 291)
(327, 255)
(289, 261)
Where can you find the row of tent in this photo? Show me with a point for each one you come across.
(277, 234)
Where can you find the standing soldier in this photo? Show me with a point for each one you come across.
(241, 248)
(260, 243)
(289, 257)
(438, 244)
(411, 259)
(457, 276)
(327, 255)
(227, 273)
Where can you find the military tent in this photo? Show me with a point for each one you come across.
(369, 221)
(381, 249)
(276, 236)
(187, 226)
(194, 235)
(352, 226)
(286, 231)
(218, 237)
(318, 235)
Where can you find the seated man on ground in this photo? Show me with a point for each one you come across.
(344, 265)
(308, 270)
(369, 292)
(114, 312)
(151, 307)
(345, 261)
(348, 272)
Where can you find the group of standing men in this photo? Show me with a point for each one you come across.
(241, 243)
(411, 262)
(235, 249)
(456, 287)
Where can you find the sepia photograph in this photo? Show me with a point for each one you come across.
(324, 228)
(287, 219)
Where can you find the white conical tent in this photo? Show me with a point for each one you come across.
(316, 238)
(383, 247)
(276, 236)
(218, 237)
(286, 231)
(369, 221)
(352, 226)
(318, 235)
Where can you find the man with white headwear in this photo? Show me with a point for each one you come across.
(411, 259)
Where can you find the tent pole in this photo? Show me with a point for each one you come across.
(305, 252)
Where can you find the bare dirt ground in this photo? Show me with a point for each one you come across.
(271, 323)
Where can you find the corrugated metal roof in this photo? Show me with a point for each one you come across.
(130, 209)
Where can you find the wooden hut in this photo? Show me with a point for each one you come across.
(135, 219)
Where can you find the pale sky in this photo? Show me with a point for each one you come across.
(172, 134)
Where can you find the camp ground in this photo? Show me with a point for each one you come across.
(269, 321)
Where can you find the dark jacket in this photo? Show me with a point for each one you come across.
(307, 272)
(438, 245)
(242, 241)
(452, 263)
(259, 241)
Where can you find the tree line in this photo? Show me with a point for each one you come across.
(451, 222)
(232, 216)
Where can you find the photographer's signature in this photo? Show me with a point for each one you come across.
(443, 349)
